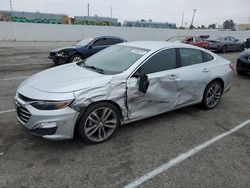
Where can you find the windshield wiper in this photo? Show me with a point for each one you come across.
(95, 68)
(82, 64)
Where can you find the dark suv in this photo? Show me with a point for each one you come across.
(83, 49)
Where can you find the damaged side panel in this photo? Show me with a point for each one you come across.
(114, 91)
(161, 96)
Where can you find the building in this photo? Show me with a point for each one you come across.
(149, 24)
(32, 17)
(240, 27)
(95, 20)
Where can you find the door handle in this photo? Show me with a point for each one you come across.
(205, 70)
(173, 77)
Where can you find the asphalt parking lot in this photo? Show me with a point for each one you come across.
(136, 149)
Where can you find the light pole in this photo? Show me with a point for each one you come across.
(11, 6)
(11, 9)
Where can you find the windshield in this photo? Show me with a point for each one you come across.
(84, 42)
(176, 39)
(115, 59)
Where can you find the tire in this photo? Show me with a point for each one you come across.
(75, 58)
(241, 72)
(224, 49)
(99, 122)
(241, 48)
(212, 95)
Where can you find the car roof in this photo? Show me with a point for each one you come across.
(157, 45)
(98, 37)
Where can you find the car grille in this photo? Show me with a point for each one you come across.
(22, 113)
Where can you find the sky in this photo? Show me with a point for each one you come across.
(208, 11)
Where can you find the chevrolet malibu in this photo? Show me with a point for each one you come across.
(121, 84)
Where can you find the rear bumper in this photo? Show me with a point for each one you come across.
(243, 65)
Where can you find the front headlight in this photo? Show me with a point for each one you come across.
(50, 105)
(61, 54)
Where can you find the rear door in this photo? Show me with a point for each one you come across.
(193, 76)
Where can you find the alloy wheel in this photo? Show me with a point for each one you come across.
(100, 124)
(77, 59)
(213, 95)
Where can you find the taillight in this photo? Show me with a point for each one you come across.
(231, 66)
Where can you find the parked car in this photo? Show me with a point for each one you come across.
(193, 40)
(247, 43)
(224, 44)
(121, 84)
(243, 63)
(83, 49)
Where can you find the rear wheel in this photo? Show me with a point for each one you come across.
(99, 122)
(212, 95)
(241, 48)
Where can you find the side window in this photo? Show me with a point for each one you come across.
(190, 56)
(100, 42)
(112, 41)
(207, 57)
(162, 61)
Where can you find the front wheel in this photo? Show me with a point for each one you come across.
(76, 58)
(212, 95)
(99, 122)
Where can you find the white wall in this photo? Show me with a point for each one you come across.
(48, 32)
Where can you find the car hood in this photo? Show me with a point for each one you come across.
(65, 48)
(67, 78)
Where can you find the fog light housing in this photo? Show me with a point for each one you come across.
(47, 125)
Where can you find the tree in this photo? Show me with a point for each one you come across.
(228, 24)
(212, 26)
(203, 27)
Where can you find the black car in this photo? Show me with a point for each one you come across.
(243, 63)
(224, 44)
(83, 49)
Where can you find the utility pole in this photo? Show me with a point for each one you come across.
(248, 23)
(111, 12)
(11, 9)
(192, 22)
(182, 19)
(88, 9)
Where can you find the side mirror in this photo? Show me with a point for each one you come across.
(90, 47)
(143, 83)
(236, 40)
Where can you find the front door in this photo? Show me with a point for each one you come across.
(161, 95)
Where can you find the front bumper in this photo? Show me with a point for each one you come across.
(243, 64)
(59, 59)
(214, 47)
(49, 124)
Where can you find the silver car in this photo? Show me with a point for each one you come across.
(121, 84)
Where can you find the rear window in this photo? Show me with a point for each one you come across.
(190, 56)
(207, 57)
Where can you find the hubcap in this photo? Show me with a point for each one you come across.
(100, 124)
(213, 95)
(77, 59)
